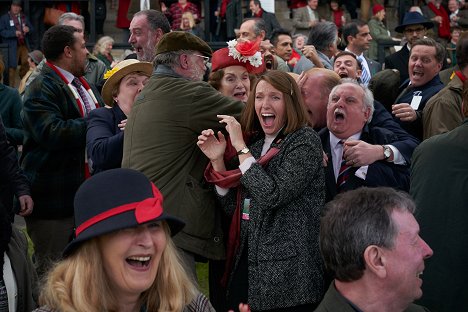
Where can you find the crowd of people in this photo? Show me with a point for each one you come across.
(307, 174)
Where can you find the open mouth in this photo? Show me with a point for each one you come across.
(138, 261)
(343, 74)
(240, 94)
(339, 115)
(418, 73)
(268, 119)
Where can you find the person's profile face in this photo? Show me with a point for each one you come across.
(363, 38)
(246, 31)
(405, 260)
(142, 38)
(315, 100)
(131, 257)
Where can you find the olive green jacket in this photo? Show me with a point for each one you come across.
(160, 141)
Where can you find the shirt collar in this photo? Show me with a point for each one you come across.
(69, 76)
(334, 141)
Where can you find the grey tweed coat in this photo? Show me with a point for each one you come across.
(287, 196)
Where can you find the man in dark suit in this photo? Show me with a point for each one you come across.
(370, 243)
(56, 104)
(271, 23)
(414, 27)
(347, 66)
(426, 57)
(357, 38)
(350, 108)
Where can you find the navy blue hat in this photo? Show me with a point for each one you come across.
(117, 199)
(414, 18)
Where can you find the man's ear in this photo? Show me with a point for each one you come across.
(184, 61)
(67, 51)
(158, 34)
(358, 73)
(375, 260)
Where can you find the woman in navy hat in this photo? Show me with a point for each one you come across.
(122, 257)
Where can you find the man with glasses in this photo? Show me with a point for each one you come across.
(414, 27)
(161, 135)
(357, 38)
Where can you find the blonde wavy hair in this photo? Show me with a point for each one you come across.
(101, 45)
(79, 283)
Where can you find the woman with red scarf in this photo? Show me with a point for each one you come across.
(274, 196)
(437, 13)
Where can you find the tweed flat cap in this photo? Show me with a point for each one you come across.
(181, 40)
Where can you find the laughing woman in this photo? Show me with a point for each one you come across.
(275, 198)
(122, 258)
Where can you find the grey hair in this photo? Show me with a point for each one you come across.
(170, 59)
(322, 35)
(368, 99)
(71, 16)
(155, 20)
(258, 26)
(355, 220)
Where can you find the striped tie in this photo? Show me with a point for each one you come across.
(343, 174)
(365, 75)
(77, 83)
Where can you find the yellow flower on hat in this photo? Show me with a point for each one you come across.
(110, 72)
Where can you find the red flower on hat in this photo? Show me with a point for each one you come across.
(248, 48)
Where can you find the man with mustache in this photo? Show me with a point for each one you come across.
(349, 111)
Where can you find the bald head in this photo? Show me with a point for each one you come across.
(315, 91)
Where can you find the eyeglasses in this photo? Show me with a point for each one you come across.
(414, 30)
(206, 59)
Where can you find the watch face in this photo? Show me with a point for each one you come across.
(387, 152)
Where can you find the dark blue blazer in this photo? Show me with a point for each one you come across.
(427, 91)
(380, 173)
(104, 139)
(405, 143)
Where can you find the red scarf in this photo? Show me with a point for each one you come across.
(231, 179)
(78, 102)
(444, 28)
(222, 9)
(337, 18)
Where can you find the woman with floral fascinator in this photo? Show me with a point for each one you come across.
(234, 68)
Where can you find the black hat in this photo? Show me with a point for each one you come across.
(182, 40)
(414, 18)
(117, 199)
(17, 2)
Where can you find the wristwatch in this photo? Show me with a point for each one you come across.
(387, 152)
(243, 151)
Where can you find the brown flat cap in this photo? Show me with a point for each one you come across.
(181, 40)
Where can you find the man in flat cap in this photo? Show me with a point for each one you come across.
(161, 135)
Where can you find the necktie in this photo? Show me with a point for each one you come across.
(365, 75)
(343, 174)
(77, 83)
(3, 295)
